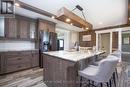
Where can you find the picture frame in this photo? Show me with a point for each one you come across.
(126, 40)
(86, 38)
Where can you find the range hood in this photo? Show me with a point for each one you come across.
(69, 17)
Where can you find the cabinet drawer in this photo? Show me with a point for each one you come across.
(18, 53)
(12, 68)
(18, 60)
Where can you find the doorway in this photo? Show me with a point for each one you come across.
(60, 44)
(104, 42)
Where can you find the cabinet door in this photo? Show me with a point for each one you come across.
(11, 28)
(35, 59)
(24, 32)
(2, 29)
(2, 63)
(51, 27)
(53, 41)
(32, 30)
(43, 26)
(15, 61)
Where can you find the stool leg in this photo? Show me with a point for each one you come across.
(107, 84)
(101, 84)
(89, 83)
(93, 83)
(116, 73)
(114, 78)
(110, 83)
(80, 81)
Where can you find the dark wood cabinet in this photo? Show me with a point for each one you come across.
(24, 29)
(2, 63)
(15, 61)
(33, 30)
(35, 59)
(45, 25)
(53, 41)
(2, 27)
(59, 72)
(11, 28)
(20, 27)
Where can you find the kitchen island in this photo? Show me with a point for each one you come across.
(61, 67)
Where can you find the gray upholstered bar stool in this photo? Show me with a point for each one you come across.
(99, 74)
(115, 54)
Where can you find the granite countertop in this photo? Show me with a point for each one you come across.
(72, 55)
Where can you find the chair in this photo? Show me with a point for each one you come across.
(115, 54)
(101, 73)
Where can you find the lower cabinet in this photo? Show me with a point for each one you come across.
(15, 61)
(35, 59)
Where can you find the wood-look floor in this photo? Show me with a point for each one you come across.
(27, 78)
(34, 77)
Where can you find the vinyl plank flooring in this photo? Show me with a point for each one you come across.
(34, 77)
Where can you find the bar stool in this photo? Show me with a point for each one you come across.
(115, 54)
(99, 74)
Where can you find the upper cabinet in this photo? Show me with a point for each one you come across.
(33, 30)
(20, 27)
(46, 25)
(2, 31)
(11, 29)
(24, 28)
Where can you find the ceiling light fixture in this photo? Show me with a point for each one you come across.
(67, 20)
(71, 23)
(17, 4)
(86, 28)
(53, 17)
(68, 16)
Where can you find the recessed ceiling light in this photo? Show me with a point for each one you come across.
(67, 20)
(17, 4)
(100, 23)
(53, 17)
(86, 28)
(82, 28)
(71, 24)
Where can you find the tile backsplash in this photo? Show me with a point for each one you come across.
(16, 45)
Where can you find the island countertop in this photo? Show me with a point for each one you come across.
(73, 56)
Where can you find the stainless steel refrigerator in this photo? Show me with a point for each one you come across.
(48, 42)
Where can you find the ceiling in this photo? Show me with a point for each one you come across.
(100, 13)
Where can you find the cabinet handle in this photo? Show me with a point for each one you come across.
(19, 58)
(19, 66)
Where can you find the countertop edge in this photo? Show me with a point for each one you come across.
(59, 57)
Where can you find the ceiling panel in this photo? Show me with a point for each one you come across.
(101, 13)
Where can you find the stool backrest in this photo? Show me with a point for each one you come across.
(116, 53)
(106, 68)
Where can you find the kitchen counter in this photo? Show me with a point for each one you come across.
(73, 55)
(61, 67)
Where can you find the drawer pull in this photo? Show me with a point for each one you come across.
(19, 58)
(19, 66)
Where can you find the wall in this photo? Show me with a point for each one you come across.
(87, 43)
(70, 37)
(105, 42)
(74, 37)
(16, 45)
